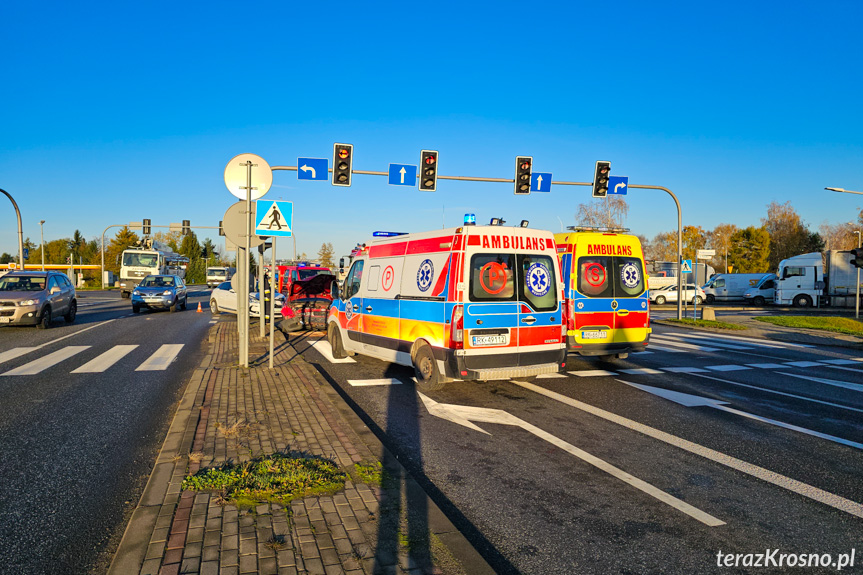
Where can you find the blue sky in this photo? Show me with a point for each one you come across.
(114, 112)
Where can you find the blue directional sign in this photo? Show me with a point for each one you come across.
(540, 182)
(618, 184)
(686, 268)
(402, 175)
(274, 218)
(313, 169)
(26, 253)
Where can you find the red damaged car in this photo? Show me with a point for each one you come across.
(308, 302)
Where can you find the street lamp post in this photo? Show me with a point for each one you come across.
(843, 190)
(857, 292)
(42, 241)
(20, 229)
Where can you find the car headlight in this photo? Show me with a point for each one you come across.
(28, 302)
(167, 292)
(136, 292)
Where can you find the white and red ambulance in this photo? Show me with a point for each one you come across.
(473, 303)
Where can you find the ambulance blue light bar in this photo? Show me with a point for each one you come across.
(470, 219)
(387, 234)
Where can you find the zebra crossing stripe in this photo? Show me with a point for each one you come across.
(674, 342)
(728, 367)
(19, 351)
(641, 371)
(106, 360)
(163, 357)
(592, 373)
(322, 346)
(371, 382)
(50, 360)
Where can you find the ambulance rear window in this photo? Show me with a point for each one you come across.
(609, 276)
(492, 277)
(507, 277)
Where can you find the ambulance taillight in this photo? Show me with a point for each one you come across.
(569, 318)
(457, 328)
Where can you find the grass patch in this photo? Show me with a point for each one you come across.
(844, 325)
(279, 477)
(372, 474)
(705, 323)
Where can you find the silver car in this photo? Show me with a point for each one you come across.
(36, 298)
(163, 291)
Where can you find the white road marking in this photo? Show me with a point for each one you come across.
(839, 361)
(15, 352)
(370, 382)
(689, 400)
(804, 364)
(163, 357)
(322, 346)
(713, 342)
(675, 343)
(809, 491)
(766, 365)
(661, 348)
(833, 382)
(641, 371)
(592, 373)
(106, 360)
(728, 367)
(550, 375)
(50, 360)
(465, 415)
(684, 369)
(752, 340)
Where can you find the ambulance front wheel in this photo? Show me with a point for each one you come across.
(335, 339)
(426, 370)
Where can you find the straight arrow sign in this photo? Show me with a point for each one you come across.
(465, 415)
(688, 400)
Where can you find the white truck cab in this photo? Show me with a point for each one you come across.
(800, 281)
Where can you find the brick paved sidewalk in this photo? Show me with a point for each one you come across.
(233, 414)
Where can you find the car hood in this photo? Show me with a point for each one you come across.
(21, 295)
(153, 290)
(316, 286)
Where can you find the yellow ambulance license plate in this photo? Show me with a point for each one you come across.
(594, 335)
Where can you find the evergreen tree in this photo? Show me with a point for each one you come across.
(325, 255)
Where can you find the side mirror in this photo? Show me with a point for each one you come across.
(334, 289)
(341, 262)
(54, 290)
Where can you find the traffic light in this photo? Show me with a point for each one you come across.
(343, 157)
(187, 228)
(146, 229)
(600, 179)
(856, 257)
(428, 171)
(523, 165)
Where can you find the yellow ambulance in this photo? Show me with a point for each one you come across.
(606, 303)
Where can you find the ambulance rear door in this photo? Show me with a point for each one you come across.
(539, 319)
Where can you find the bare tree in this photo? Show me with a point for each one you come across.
(839, 236)
(720, 240)
(608, 212)
(663, 247)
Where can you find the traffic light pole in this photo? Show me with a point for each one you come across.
(20, 229)
(589, 184)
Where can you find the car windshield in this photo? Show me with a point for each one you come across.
(139, 259)
(308, 274)
(22, 283)
(157, 282)
(217, 273)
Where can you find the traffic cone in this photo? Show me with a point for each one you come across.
(200, 310)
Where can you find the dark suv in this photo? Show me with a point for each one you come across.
(35, 298)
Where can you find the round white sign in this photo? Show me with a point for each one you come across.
(237, 176)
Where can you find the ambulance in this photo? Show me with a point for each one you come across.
(468, 303)
(606, 307)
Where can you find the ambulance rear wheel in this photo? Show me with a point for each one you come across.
(426, 370)
(335, 339)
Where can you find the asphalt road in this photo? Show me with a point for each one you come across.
(76, 448)
(590, 473)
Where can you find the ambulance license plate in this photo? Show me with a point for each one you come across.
(480, 340)
(594, 335)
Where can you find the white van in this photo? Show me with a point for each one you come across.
(730, 287)
(217, 275)
(470, 303)
(762, 292)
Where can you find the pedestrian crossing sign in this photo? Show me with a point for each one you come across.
(274, 218)
(686, 267)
